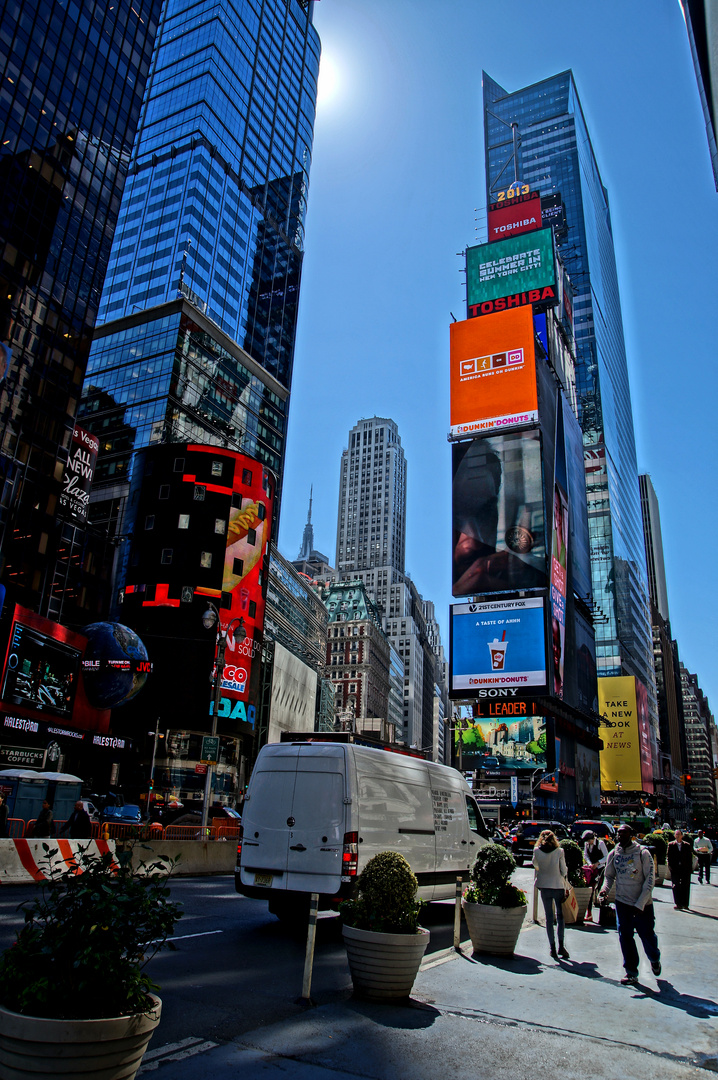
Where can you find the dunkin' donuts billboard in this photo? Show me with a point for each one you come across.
(497, 644)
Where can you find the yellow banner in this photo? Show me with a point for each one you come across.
(621, 754)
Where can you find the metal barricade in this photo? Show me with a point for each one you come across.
(16, 828)
(188, 832)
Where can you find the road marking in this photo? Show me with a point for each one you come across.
(174, 1052)
(205, 933)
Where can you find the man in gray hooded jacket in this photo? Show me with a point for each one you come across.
(631, 867)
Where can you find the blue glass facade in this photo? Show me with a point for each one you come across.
(72, 78)
(555, 156)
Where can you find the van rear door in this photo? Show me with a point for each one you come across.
(315, 837)
(267, 810)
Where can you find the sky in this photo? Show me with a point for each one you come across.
(397, 190)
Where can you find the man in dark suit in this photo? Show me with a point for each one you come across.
(680, 862)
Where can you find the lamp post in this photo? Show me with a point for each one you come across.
(156, 734)
(211, 619)
(533, 787)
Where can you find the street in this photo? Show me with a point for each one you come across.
(229, 996)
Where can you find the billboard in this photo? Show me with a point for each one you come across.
(497, 644)
(496, 745)
(498, 538)
(493, 372)
(78, 474)
(515, 216)
(588, 777)
(511, 273)
(621, 754)
(649, 749)
(559, 557)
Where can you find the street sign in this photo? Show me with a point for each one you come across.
(200, 770)
(514, 791)
(210, 749)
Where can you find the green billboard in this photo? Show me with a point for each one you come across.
(510, 273)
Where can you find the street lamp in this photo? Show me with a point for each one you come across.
(534, 786)
(210, 619)
(156, 735)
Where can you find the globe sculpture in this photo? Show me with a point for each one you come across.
(107, 686)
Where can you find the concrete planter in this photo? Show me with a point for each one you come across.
(384, 966)
(662, 873)
(108, 1049)
(493, 929)
(583, 895)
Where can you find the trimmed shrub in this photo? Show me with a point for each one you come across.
(386, 896)
(490, 879)
(574, 863)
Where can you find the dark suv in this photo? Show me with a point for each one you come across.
(523, 837)
(602, 829)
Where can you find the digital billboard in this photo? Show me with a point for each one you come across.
(588, 777)
(493, 372)
(495, 745)
(78, 474)
(621, 754)
(498, 517)
(515, 216)
(497, 644)
(511, 273)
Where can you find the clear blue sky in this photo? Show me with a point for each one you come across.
(396, 176)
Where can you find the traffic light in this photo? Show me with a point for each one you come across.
(715, 772)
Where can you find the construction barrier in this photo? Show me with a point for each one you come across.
(195, 857)
(115, 830)
(23, 862)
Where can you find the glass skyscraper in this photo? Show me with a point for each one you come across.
(200, 303)
(72, 78)
(555, 157)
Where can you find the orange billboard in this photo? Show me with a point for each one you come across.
(493, 372)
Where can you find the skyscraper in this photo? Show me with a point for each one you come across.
(200, 304)
(555, 157)
(702, 27)
(70, 97)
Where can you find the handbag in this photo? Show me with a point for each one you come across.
(570, 905)
(607, 916)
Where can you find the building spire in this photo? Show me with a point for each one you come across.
(308, 535)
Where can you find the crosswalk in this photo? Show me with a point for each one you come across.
(176, 1051)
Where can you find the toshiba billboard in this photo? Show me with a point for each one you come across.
(515, 216)
(493, 372)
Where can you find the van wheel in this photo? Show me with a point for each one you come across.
(294, 914)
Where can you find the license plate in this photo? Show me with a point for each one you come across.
(263, 879)
(532, 843)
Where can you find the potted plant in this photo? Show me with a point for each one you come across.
(75, 999)
(384, 941)
(494, 908)
(659, 842)
(574, 872)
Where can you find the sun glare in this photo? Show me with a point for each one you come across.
(328, 84)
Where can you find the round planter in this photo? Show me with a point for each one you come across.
(384, 966)
(493, 929)
(583, 895)
(662, 873)
(108, 1049)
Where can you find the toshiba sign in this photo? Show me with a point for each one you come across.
(515, 216)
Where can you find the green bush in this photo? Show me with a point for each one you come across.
(490, 879)
(86, 940)
(657, 841)
(386, 900)
(574, 862)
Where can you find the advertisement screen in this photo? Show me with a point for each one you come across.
(621, 754)
(493, 373)
(511, 273)
(510, 218)
(649, 749)
(78, 474)
(588, 777)
(497, 644)
(498, 518)
(493, 745)
(41, 671)
(559, 558)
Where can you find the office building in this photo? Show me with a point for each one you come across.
(200, 304)
(702, 27)
(70, 97)
(555, 157)
(358, 656)
(700, 729)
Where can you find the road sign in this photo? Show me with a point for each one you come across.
(514, 791)
(200, 770)
(210, 749)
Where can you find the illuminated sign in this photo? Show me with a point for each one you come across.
(621, 754)
(497, 644)
(493, 372)
(515, 216)
(78, 474)
(511, 273)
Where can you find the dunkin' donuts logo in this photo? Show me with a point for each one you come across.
(479, 366)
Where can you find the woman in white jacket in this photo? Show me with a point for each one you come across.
(550, 866)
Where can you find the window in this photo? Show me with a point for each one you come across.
(183, 521)
(199, 492)
(166, 556)
(251, 537)
(164, 491)
(187, 595)
(252, 609)
(220, 526)
(179, 464)
(217, 468)
(238, 568)
(247, 477)
(150, 521)
(205, 559)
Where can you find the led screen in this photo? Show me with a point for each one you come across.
(515, 216)
(493, 373)
(41, 671)
(498, 644)
(621, 754)
(498, 517)
(510, 273)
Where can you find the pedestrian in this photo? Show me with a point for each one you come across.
(78, 825)
(44, 825)
(550, 866)
(703, 847)
(631, 867)
(680, 862)
(3, 815)
(595, 855)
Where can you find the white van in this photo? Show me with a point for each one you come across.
(315, 813)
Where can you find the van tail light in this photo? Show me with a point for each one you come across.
(350, 856)
(239, 845)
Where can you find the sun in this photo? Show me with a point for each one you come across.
(329, 81)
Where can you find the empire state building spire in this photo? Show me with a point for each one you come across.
(308, 534)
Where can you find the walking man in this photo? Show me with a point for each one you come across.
(703, 847)
(631, 867)
(680, 863)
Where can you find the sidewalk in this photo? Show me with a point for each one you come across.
(504, 1019)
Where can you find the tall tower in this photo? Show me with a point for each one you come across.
(308, 535)
(371, 530)
(555, 156)
(200, 305)
(72, 81)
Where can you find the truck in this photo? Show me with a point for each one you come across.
(316, 812)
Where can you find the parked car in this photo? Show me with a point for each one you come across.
(128, 814)
(523, 837)
(602, 829)
(89, 807)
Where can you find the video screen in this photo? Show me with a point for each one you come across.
(41, 673)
